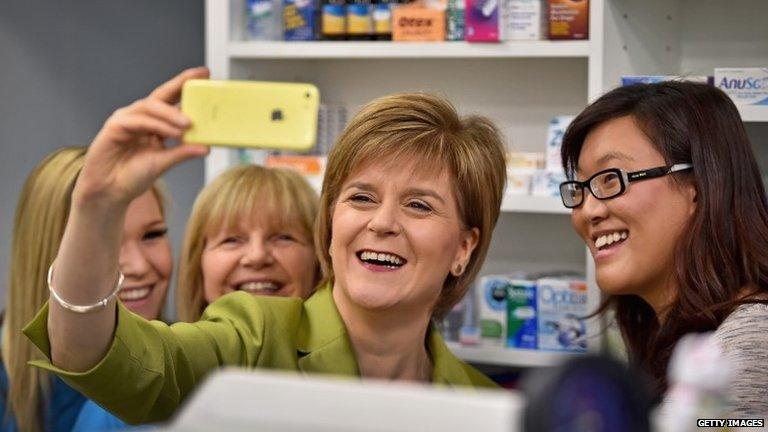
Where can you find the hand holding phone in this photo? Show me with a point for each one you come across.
(251, 113)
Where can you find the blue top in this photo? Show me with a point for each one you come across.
(61, 411)
(95, 418)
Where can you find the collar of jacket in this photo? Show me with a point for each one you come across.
(323, 344)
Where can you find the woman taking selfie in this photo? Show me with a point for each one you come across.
(411, 195)
(670, 201)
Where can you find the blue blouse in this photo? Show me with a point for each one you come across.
(95, 418)
(62, 408)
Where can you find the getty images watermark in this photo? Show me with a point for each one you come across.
(721, 423)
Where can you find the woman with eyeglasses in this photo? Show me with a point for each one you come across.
(666, 192)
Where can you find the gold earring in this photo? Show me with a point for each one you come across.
(458, 270)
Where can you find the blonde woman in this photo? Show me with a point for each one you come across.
(411, 195)
(36, 401)
(249, 230)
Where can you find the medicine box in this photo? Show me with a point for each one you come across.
(745, 86)
(562, 307)
(299, 20)
(482, 20)
(491, 300)
(521, 314)
(555, 132)
(523, 20)
(568, 19)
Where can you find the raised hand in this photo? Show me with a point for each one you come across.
(129, 153)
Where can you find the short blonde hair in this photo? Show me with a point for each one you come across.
(425, 128)
(281, 195)
(41, 216)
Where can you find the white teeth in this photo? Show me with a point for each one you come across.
(383, 257)
(259, 286)
(134, 294)
(609, 239)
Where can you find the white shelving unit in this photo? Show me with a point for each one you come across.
(499, 355)
(533, 204)
(419, 50)
(520, 85)
(754, 114)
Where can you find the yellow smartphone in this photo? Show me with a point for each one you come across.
(259, 114)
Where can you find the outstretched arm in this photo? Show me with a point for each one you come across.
(122, 162)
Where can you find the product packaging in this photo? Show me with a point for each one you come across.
(482, 20)
(523, 20)
(455, 18)
(568, 19)
(522, 326)
(555, 132)
(299, 21)
(419, 22)
(653, 79)
(562, 306)
(745, 86)
(263, 19)
(491, 300)
(547, 183)
(311, 167)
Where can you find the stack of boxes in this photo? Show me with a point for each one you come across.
(535, 173)
(418, 20)
(538, 313)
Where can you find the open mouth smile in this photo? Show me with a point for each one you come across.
(381, 260)
(259, 287)
(611, 239)
(132, 294)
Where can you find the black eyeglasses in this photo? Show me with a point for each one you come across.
(611, 183)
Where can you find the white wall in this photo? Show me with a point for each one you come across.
(65, 66)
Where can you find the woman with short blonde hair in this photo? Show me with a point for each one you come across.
(427, 128)
(278, 199)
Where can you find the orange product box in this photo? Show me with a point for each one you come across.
(306, 165)
(418, 24)
(568, 19)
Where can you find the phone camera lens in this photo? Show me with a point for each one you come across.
(307, 95)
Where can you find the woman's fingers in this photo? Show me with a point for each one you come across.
(144, 124)
(178, 154)
(163, 111)
(170, 91)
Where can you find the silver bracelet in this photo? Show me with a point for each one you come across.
(88, 308)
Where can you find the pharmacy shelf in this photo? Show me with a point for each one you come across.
(753, 113)
(419, 50)
(508, 356)
(533, 204)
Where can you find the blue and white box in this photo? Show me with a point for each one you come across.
(521, 314)
(562, 307)
(555, 133)
(745, 86)
(491, 299)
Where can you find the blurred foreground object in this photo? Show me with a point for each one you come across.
(699, 377)
(589, 394)
(238, 400)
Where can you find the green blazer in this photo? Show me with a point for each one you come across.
(151, 366)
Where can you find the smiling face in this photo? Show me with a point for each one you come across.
(145, 257)
(396, 236)
(632, 237)
(260, 258)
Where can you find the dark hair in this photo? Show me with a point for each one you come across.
(723, 248)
